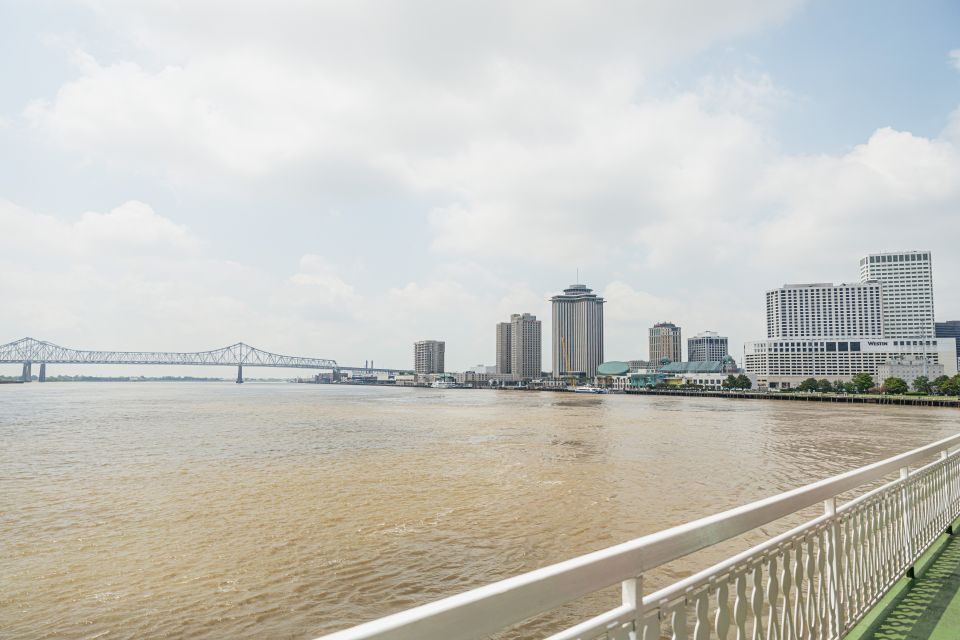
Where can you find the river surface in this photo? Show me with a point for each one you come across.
(207, 510)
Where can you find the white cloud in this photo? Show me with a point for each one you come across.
(530, 146)
(380, 89)
(955, 58)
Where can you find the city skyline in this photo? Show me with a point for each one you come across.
(163, 188)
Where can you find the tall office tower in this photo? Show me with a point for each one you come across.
(949, 329)
(707, 347)
(526, 355)
(504, 344)
(577, 331)
(428, 356)
(821, 310)
(665, 343)
(906, 279)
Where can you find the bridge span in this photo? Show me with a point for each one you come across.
(29, 351)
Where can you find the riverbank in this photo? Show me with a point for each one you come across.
(918, 401)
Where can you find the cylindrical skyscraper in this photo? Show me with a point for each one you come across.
(577, 331)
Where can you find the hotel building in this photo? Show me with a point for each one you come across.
(665, 343)
(428, 356)
(837, 331)
(526, 354)
(907, 279)
(707, 346)
(824, 309)
(504, 356)
(783, 363)
(577, 331)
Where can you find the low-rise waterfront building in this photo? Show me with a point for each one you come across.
(710, 381)
(483, 369)
(725, 366)
(785, 362)
(612, 375)
(908, 369)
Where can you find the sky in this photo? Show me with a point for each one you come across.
(340, 179)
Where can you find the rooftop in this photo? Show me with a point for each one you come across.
(706, 366)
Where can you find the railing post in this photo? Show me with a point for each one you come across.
(835, 584)
(948, 479)
(907, 518)
(631, 591)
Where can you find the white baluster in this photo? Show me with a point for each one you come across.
(701, 606)
(722, 619)
(757, 602)
(740, 607)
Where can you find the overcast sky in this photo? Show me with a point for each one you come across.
(339, 179)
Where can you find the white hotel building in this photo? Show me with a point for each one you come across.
(837, 331)
(907, 279)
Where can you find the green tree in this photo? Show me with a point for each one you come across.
(940, 383)
(895, 385)
(863, 382)
(839, 386)
(952, 386)
(730, 382)
(824, 386)
(743, 382)
(921, 384)
(849, 387)
(810, 384)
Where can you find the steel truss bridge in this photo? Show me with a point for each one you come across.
(29, 351)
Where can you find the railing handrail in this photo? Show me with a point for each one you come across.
(496, 606)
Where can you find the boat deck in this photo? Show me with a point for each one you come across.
(923, 608)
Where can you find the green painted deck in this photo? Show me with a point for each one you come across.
(927, 607)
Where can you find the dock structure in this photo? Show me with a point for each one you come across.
(853, 398)
(883, 564)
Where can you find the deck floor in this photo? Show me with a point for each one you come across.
(931, 608)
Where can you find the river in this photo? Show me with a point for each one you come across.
(206, 510)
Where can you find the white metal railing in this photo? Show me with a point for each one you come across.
(815, 581)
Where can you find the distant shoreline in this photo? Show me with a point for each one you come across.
(918, 401)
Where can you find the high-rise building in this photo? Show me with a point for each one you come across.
(907, 291)
(577, 331)
(428, 356)
(526, 354)
(950, 329)
(665, 342)
(707, 347)
(504, 343)
(824, 309)
(838, 331)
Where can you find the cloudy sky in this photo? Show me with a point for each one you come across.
(339, 179)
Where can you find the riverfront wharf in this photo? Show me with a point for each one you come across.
(916, 401)
(875, 566)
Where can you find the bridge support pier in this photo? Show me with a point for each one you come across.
(43, 372)
(27, 374)
(239, 374)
